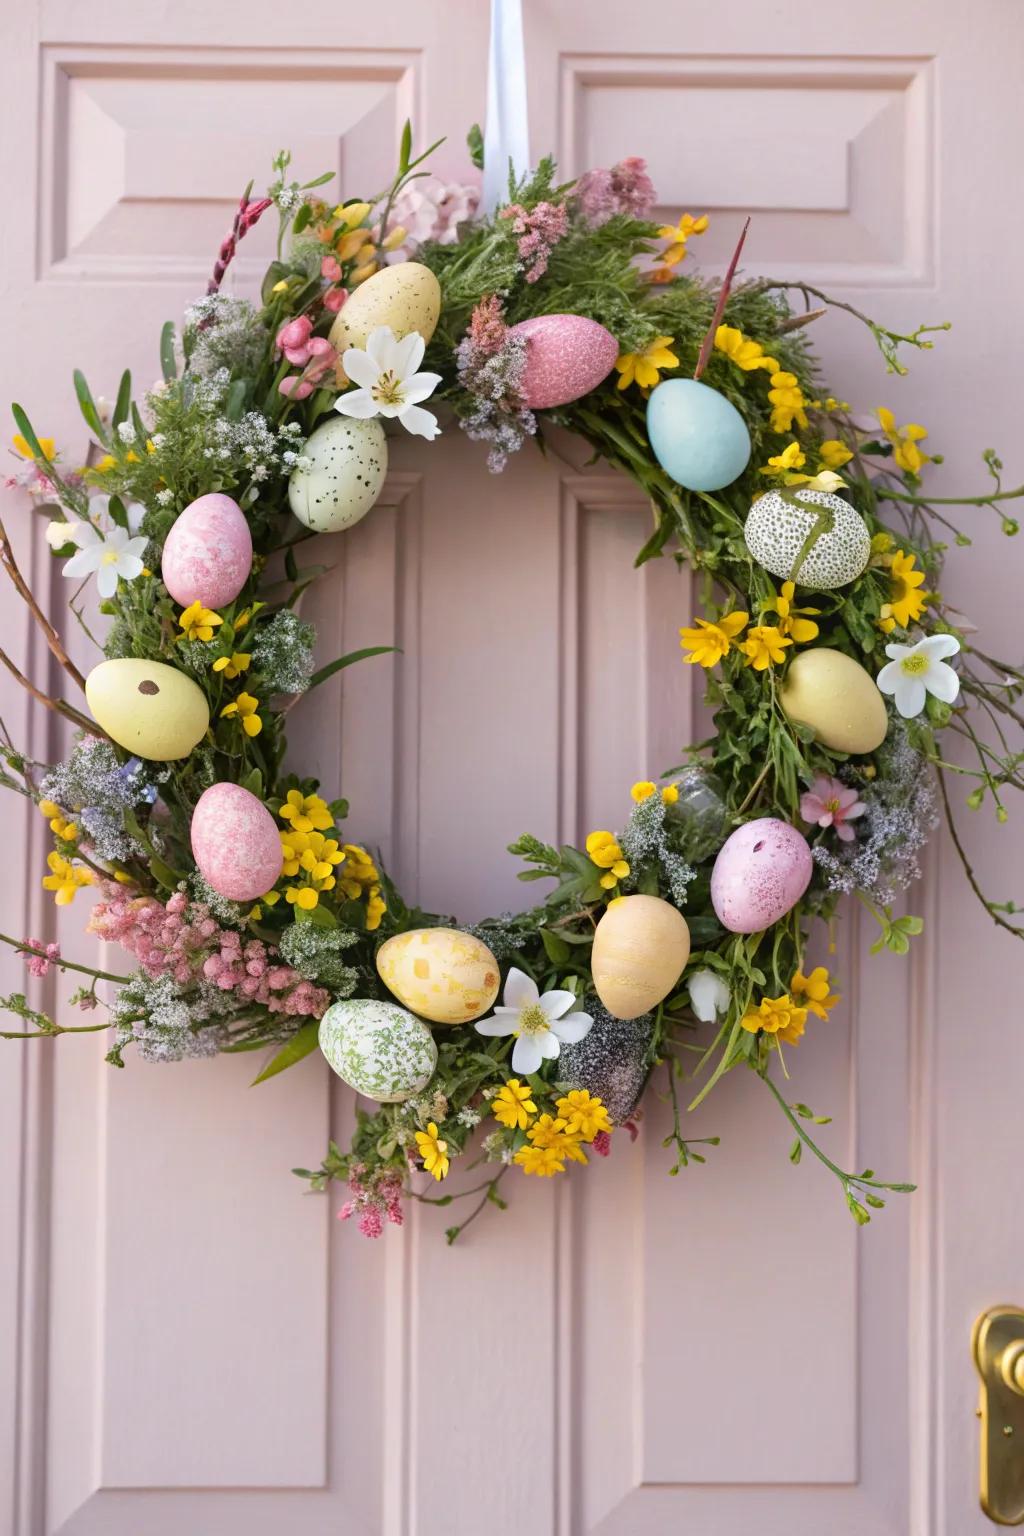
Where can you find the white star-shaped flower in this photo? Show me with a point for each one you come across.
(389, 384)
(115, 554)
(709, 996)
(541, 1023)
(915, 671)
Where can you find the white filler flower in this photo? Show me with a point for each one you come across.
(117, 554)
(389, 384)
(542, 1024)
(709, 996)
(915, 671)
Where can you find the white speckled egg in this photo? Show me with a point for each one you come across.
(379, 1049)
(837, 698)
(207, 556)
(235, 842)
(346, 476)
(761, 871)
(406, 296)
(442, 974)
(776, 531)
(566, 357)
(150, 709)
(641, 946)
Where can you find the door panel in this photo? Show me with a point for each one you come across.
(187, 1342)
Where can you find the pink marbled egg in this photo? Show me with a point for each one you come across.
(566, 357)
(207, 555)
(235, 842)
(761, 871)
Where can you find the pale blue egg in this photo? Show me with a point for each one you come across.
(698, 436)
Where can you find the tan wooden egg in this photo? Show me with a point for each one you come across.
(640, 949)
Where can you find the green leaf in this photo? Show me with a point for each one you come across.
(555, 947)
(405, 148)
(291, 569)
(301, 1044)
(275, 273)
(168, 362)
(347, 661)
(124, 399)
(318, 181)
(118, 515)
(302, 218)
(253, 782)
(235, 400)
(796, 1151)
(163, 874)
(28, 433)
(87, 406)
(475, 144)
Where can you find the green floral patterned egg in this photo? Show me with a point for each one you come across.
(379, 1049)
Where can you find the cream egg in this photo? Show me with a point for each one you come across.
(641, 946)
(837, 698)
(407, 297)
(348, 461)
(442, 974)
(150, 709)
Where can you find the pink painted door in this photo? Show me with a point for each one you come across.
(187, 1344)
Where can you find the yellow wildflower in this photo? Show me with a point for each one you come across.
(798, 629)
(234, 665)
(59, 823)
(107, 462)
(814, 992)
(764, 644)
(605, 852)
(644, 368)
(778, 1016)
(197, 622)
(643, 790)
(433, 1151)
(305, 813)
(512, 1105)
(21, 446)
(314, 858)
(551, 1134)
(245, 707)
(792, 457)
(245, 616)
(584, 1114)
(670, 794)
(351, 214)
(376, 906)
(709, 641)
(744, 351)
(906, 603)
(360, 872)
(280, 287)
(65, 879)
(678, 234)
(544, 1162)
(834, 454)
(904, 442)
(788, 402)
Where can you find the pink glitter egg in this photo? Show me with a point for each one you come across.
(235, 842)
(761, 871)
(566, 357)
(207, 555)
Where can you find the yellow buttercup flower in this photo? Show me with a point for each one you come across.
(512, 1105)
(792, 457)
(65, 879)
(791, 624)
(644, 367)
(904, 442)
(779, 1016)
(551, 1134)
(59, 823)
(314, 858)
(246, 615)
(376, 906)
(245, 708)
(433, 1151)
(234, 665)
(834, 454)
(744, 351)
(643, 790)
(764, 645)
(305, 813)
(543, 1162)
(788, 402)
(604, 851)
(906, 603)
(360, 872)
(678, 234)
(670, 794)
(710, 640)
(814, 992)
(584, 1114)
(21, 446)
(197, 622)
(106, 463)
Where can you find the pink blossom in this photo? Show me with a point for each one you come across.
(296, 387)
(831, 803)
(322, 358)
(539, 231)
(626, 188)
(430, 209)
(602, 1143)
(293, 340)
(334, 298)
(330, 268)
(39, 964)
(487, 328)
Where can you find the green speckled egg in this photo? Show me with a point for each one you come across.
(406, 296)
(150, 709)
(379, 1049)
(348, 463)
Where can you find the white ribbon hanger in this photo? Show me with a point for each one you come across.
(506, 134)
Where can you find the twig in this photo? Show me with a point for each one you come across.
(972, 879)
(61, 963)
(59, 706)
(796, 322)
(53, 640)
(723, 298)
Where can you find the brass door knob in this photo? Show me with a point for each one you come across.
(1011, 1366)
(998, 1347)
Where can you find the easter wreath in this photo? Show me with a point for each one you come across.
(826, 644)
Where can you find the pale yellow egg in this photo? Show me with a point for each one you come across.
(641, 946)
(443, 975)
(150, 709)
(833, 694)
(406, 296)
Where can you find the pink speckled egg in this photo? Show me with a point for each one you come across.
(761, 871)
(235, 842)
(207, 555)
(566, 357)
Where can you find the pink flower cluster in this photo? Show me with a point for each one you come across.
(185, 941)
(39, 964)
(539, 231)
(626, 188)
(313, 354)
(430, 209)
(335, 296)
(372, 1202)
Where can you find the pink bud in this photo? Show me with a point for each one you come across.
(330, 268)
(292, 339)
(334, 298)
(295, 387)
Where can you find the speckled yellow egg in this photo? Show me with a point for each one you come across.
(833, 694)
(443, 975)
(641, 946)
(150, 709)
(406, 296)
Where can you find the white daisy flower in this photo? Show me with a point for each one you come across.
(915, 671)
(116, 554)
(541, 1023)
(709, 996)
(388, 380)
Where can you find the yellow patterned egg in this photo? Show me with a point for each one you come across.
(641, 946)
(406, 296)
(150, 709)
(833, 694)
(443, 975)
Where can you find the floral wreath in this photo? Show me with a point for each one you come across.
(670, 951)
